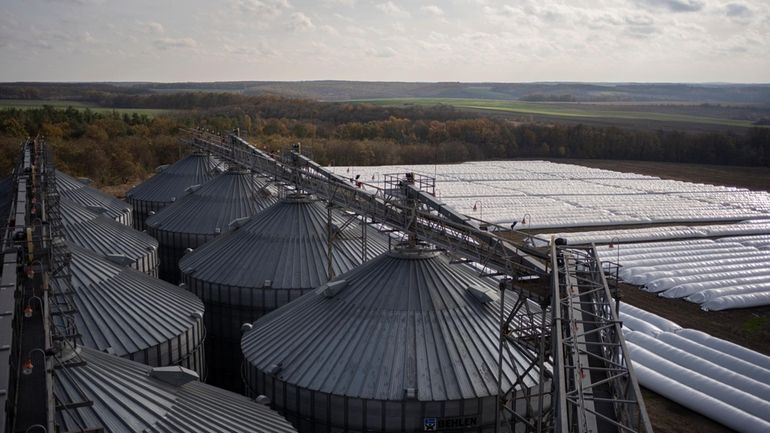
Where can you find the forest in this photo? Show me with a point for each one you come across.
(116, 148)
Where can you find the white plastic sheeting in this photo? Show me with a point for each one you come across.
(697, 401)
(716, 356)
(653, 319)
(733, 349)
(591, 196)
(721, 380)
(728, 272)
(660, 233)
(744, 300)
(715, 289)
(697, 364)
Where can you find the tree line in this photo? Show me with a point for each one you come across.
(113, 148)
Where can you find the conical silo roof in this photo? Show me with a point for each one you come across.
(131, 314)
(129, 397)
(108, 237)
(406, 325)
(211, 208)
(285, 245)
(203, 214)
(170, 183)
(92, 198)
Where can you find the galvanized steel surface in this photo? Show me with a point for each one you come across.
(106, 236)
(284, 246)
(210, 209)
(170, 184)
(128, 399)
(132, 314)
(401, 322)
(203, 214)
(89, 197)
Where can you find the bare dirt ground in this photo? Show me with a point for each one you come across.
(756, 178)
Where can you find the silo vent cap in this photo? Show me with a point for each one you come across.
(274, 368)
(237, 223)
(192, 188)
(262, 399)
(174, 375)
(332, 288)
(246, 327)
(484, 294)
(120, 259)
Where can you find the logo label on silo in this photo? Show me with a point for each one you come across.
(429, 424)
(441, 424)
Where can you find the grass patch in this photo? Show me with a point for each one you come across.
(30, 104)
(572, 111)
(756, 323)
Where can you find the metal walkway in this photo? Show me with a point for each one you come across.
(596, 387)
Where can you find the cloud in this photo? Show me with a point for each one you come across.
(329, 29)
(390, 8)
(358, 31)
(172, 43)
(383, 52)
(86, 38)
(154, 27)
(255, 51)
(76, 2)
(432, 10)
(737, 10)
(262, 8)
(332, 3)
(674, 5)
(300, 22)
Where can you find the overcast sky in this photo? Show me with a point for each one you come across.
(447, 40)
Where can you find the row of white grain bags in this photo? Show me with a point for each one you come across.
(718, 275)
(755, 227)
(718, 379)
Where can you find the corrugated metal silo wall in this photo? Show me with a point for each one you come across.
(187, 350)
(142, 210)
(173, 246)
(319, 412)
(227, 308)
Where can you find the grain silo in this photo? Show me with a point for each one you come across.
(100, 392)
(405, 342)
(275, 257)
(133, 315)
(169, 184)
(78, 191)
(204, 213)
(109, 238)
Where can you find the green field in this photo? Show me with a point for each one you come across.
(564, 110)
(23, 104)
